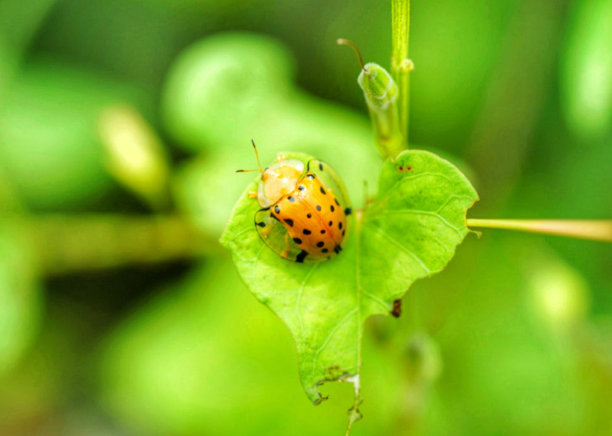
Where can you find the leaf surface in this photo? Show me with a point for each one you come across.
(408, 232)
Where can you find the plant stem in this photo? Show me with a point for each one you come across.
(401, 65)
(381, 94)
(600, 230)
(66, 244)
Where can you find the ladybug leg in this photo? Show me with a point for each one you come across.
(285, 252)
(266, 231)
(252, 194)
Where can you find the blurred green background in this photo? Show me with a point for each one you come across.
(121, 122)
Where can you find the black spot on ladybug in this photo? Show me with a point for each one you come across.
(331, 223)
(397, 308)
(320, 244)
(343, 232)
(336, 201)
(306, 232)
(325, 250)
(321, 166)
(400, 168)
(261, 224)
(301, 187)
(310, 176)
(297, 241)
(300, 257)
(289, 221)
(348, 211)
(337, 249)
(308, 215)
(323, 191)
(319, 207)
(332, 208)
(276, 209)
(291, 199)
(340, 225)
(323, 231)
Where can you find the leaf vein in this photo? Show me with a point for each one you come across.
(404, 179)
(330, 335)
(400, 247)
(299, 296)
(423, 212)
(451, 198)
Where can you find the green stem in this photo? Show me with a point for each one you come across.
(600, 230)
(401, 65)
(66, 244)
(381, 94)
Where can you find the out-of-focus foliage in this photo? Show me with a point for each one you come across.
(514, 337)
(49, 141)
(587, 70)
(20, 295)
(224, 87)
(134, 154)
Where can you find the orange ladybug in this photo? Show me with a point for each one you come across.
(303, 209)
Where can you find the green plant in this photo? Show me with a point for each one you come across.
(408, 231)
(91, 179)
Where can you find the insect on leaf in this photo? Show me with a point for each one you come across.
(410, 231)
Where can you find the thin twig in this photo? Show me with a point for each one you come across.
(600, 230)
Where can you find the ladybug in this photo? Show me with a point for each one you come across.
(304, 207)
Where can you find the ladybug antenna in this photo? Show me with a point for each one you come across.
(260, 169)
(343, 41)
(257, 156)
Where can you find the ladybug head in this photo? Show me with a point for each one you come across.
(278, 180)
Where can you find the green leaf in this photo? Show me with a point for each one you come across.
(408, 232)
